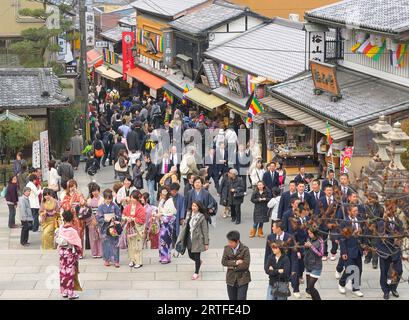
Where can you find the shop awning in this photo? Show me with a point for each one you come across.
(208, 101)
(237, 109)
(173, 90)
(108, 73)
(305, 118)
(147, 78)
(94, 57)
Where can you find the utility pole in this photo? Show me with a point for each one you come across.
(83, 64)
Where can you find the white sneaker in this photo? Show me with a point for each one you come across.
(358, 293)
(338, 275)
(296, 295)
(131, 264)
(137, 266)
(341, 289)
(333, 257)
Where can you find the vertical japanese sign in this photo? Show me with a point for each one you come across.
(346, 159)
(169, 50)
(53, 20)
(89, 29)
(128, 41)
(317, 46)
(36, 154)
(45, 154)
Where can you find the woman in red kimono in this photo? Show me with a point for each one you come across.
(75, 202)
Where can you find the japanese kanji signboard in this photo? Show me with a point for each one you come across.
(325, 78)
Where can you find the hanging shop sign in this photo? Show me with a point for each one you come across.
(36, 154)
(101, 44)
(317, 46)
(89, 29)
(169, 50)
(233, 82)
(325, 79)
(45, 153)
(128, 61)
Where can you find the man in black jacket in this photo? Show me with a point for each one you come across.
(210, 163)
(271, 177)
(304, 196)
(132, 139)
(285, 200)
(118, 146)
(236, 195)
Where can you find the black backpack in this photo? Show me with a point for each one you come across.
(106, 138)
(98, 145)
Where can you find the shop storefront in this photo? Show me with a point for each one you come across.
(146, 82)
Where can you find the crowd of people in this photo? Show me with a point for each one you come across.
(310, 220)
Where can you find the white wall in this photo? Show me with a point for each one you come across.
(235, 28)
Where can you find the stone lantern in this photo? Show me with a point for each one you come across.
(397, 146)
(379, 129)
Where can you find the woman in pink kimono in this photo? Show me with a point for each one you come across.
(94, 201)
(69, 249)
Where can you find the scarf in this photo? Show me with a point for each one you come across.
(69, 234)
(193, 222)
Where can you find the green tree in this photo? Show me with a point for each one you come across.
(15, 135)
(63, 122)
(36, 42)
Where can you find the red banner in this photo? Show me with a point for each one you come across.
(128, 42)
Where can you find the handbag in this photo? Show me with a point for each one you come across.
(114, 229)
(181, 242)
(280, 289)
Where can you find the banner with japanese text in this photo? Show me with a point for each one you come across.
(346, 157)
(36, 157)
(45, 154)
(128, 42)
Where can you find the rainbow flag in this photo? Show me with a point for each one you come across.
(396, 57)
(255, 108)
(186, 90)
(109, 56)
(356, 46)
(168, 97)
(365, 47)
(222, 78)
(377, 53)
(329, 139)
(159, 44)
(250, 86)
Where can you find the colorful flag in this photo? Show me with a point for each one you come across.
(168, 97)
(109, 56)
(250, 86)
(365, 47)
(329, 140)
(379, 51)
(159, 43)
(223, 78)
(346, 157)
(185, 91)
(356, 46)
(255, 108)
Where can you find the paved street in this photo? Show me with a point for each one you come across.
(29, 273)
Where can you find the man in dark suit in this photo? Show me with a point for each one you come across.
(271, 177)
(316, 191)
(344, 187)
(330, 180)
(289, 214)
(300, 177)
(351, 252)
(212, 170)
(304, 196)
(391, 253)
(278, 235)
(222, 159)
(285, 200)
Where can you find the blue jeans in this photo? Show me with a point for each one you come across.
(151, 190)
(258, 225)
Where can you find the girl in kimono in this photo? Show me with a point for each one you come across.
(151, 226)
(73, 201)
(94, 201)
(48, 219)
(69, 249)
(134, 216)
(166, 215)
(108, 213)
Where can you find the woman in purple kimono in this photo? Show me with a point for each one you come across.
(166, 215)
(94, 201)
(109, 213)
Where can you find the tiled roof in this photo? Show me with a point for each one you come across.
(274, 51)
(382, 15)
(168, 8)
(209, 17)
(25, 88)
(129, 20)
(364, 97)
(114, 34)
